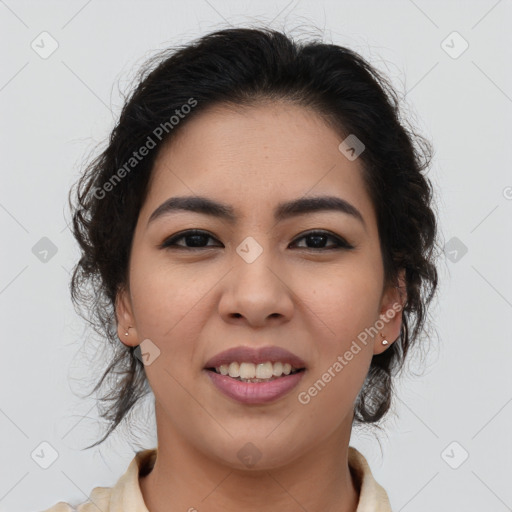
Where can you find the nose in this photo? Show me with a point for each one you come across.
(257, 293)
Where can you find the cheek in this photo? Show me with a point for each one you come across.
(344, 307)
(165, 296)
(344, 302)
(169, 308)
(343, 312)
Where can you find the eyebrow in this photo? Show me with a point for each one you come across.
(283, 211)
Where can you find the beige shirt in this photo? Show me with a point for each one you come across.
(126, 496)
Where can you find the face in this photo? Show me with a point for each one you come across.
(308, 281)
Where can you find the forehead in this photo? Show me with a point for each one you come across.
(256, 157)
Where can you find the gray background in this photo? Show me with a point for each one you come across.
(56, 109)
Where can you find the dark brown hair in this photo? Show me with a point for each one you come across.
(240, 67)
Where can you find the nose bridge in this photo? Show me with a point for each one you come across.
(254, 260)
(256, 290)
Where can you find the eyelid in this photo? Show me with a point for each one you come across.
(166, 244)
(341, 242)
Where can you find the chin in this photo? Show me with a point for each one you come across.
(257, 453)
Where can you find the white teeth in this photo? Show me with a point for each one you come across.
(264, 370)
(246, 371)
(234, 370)
(277, 369)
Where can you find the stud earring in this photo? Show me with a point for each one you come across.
(126, 333)
(384, 341)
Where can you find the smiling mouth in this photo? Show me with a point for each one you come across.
(255, 384)
(270, 372)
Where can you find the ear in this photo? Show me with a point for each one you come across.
(392, 304)
(125, 318)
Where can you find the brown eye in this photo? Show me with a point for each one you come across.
(318, 240)
(195, 239)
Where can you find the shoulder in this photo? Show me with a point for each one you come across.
(125, 491)
(372, 496)
(99, 498)
(60, 507)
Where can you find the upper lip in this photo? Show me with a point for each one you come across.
(245, 354)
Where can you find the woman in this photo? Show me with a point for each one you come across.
(260, 240)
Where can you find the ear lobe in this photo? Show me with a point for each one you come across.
(125, 318)
(393, 302)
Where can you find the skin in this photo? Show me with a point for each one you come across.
(314, 302)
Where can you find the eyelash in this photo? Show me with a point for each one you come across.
(170, 243)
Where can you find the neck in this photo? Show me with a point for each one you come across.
(184, 478)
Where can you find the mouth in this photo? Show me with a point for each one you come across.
(252, 375)
(249, 372)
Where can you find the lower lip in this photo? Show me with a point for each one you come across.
(255, 392)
